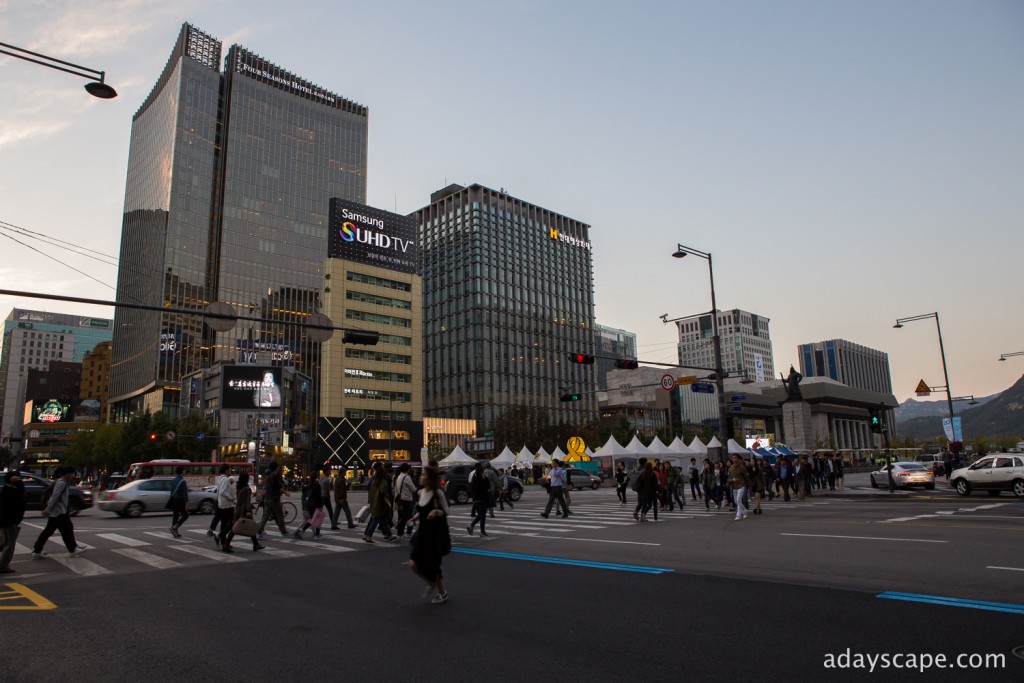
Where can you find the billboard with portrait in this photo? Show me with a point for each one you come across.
(247, 387)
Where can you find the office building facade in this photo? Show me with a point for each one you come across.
(230, 175)
(31, 341)
(852, 364)
(746, 344)
(611, 344)
(507, 295)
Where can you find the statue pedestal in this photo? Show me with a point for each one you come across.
(797, 425)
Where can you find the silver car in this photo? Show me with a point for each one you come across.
(904, 475)
(993, 473)
(151, 495)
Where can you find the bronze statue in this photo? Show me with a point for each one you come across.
(792, 385)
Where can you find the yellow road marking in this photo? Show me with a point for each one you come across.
(38, 602)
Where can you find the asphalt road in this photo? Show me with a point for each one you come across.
(696, 595)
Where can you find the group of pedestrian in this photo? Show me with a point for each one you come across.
(56, 509)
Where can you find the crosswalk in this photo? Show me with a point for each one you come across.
(596, 518)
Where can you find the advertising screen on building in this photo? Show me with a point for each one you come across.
(250, 388)
(377, 238)
(50, 411)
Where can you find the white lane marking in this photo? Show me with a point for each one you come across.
(279, 553)
(1009, 569)
(147, 558)
(80, 565)
(167, 535)
(321, 546)
(589, 540)
(868, 538)
(123, 540)
(20, 549)
(209, 554)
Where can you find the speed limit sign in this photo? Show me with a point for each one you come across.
(668, 382)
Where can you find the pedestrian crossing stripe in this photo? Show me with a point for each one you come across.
(15, 598)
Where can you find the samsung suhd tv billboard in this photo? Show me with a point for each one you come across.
(371, 236)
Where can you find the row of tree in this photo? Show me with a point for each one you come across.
(112, 447)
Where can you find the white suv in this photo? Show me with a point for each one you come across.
(993, 473)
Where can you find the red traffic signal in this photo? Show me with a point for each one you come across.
(581, 358)
(152, 437)
(626, 364)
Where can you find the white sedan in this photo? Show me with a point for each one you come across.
(904, 475)
(993, 473)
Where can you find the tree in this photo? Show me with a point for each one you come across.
(521, 425)
(187, 446)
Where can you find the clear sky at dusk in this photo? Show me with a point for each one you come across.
(846, 163)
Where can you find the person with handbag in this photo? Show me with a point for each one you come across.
(404, 498)
(58, 517)
(432, 540)
(178, 502)
(314, 508)
(12, 511)
(225, 512)
(243, 511)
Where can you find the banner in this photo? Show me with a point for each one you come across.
(951, 427)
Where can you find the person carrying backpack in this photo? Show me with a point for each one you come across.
(58, 515)
(635, 486)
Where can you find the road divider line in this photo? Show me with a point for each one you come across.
(37, 601)
(566, 561)
(953, 602)
(1009, 569)
(869, 538)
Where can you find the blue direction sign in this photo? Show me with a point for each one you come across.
(200, 436)
(737, 398)
(702, 388)
(735, 409)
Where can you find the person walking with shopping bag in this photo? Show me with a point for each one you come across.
(341, 501)
(380, 505)
(315, 508)
(243, 511)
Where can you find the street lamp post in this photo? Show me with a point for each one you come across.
(680, 252)
(1010, 355)
(96, 88)
(942, 352)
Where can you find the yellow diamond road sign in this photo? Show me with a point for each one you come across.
(922, 389)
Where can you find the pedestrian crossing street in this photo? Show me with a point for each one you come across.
(147, 547)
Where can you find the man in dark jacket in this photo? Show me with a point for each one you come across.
(12, 511)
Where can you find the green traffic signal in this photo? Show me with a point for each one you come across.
(570, 397)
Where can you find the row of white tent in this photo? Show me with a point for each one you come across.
(676, 451)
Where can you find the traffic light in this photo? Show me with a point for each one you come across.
(875, 420)
(581, 358)
(152, 437)
(361, 337)
(626, 364)
(570, 397)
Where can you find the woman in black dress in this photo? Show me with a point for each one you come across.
(432, 534)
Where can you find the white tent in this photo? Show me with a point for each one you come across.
(697, 446)
(636, 447)
(736, 449)
(714, 443)
(504, 459)
(589, 452)
(458, 457)
(656, 447)
(679, 447)
(613, 449)
(542, 458)
(558, 454)
(524, 457)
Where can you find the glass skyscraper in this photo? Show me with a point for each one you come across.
(230, 175)
(508, 294)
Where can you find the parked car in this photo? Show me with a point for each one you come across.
(455, 482)
(993, 473)
(577, 479)
(35, 486)
(904, 475)
(150, 495)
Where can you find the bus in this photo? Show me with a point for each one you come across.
(197, 474)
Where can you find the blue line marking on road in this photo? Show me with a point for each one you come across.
(953, 602)
(561, 560)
